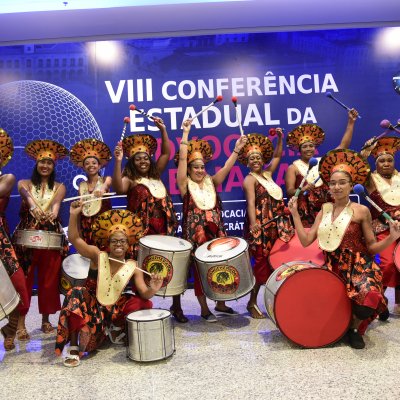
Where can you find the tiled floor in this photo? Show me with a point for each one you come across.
(235, 358)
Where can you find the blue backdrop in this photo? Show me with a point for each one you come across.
(72, 91)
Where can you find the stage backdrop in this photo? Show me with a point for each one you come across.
(73, 91)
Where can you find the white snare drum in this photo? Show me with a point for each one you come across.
(224, 268)
(150, 335)
(282, 252)
(9, 298)
(39, 239)
(75, 270)
(396, 256)
(168, 256)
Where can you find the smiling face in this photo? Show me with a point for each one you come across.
(255, 162)
(142, 163)
(91, 166)
(45, 167)
(118, 244)
(197, 171)
(307, 151)
(385, 165)
(340, 185)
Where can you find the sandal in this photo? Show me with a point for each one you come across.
(116, 339)
(8, 341)
(72, 360)
(47, 327)
(227, 310)
(179, 316)
(23, 335)
(255, 312)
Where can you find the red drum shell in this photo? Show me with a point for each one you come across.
(396, 256)
(308, 304)
(282, 252)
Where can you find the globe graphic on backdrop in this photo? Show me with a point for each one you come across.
(31, 110)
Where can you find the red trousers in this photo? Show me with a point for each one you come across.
(19, 281)
(48, 264)
(391, 276)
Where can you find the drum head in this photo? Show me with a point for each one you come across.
(312, 308)
(76, 266)
(166, 243)
(221, 249)
(148, 315)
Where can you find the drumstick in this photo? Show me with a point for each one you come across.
(133, 108)
(219, 98)
(314, 182)
(234, 101)
(88, 195)
(330, 95)
(360, 190)
(389, 127)
(124, 262)
(99, 198)
(127, 120)
(286, 211)
(312, 163)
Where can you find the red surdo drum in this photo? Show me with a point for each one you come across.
(282, 252)
(308, 304)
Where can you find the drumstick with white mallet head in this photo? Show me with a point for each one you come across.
(330, 95)
(132, 107)
(312, 163)
(234, 101)
(360, 190)
(219, 98)
(124, 262)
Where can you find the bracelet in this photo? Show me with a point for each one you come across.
(184, 142)
(33, 208)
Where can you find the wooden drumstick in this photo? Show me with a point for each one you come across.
(98, 198)
(234, 101)
(219, 98)
(88, 195)
(124, 262)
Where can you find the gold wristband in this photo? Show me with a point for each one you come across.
(184, 142)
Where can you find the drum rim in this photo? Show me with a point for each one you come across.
(166, 250)
(277, 322)
(168, 315)
(40, 230)
(205, 244)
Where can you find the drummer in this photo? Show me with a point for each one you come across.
(41, 200)
(7, 254)
(202, 208)
(99, 308)
(305, 139)
(264, 201)
(147, 195)
(92, 155)
(383, 187)
(345, 234)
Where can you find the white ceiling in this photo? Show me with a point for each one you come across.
(187, 18)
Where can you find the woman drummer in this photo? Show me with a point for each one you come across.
(344, 232)
(264, 201)
(147, 195)
(98, 309)
(7, 254)
(92, 155)
(202, 219)
(305, 139)
(383, 187)
(41, 200)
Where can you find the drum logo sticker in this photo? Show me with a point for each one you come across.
(290, 271)
(156, 264)
(223, 279)
(36, 239)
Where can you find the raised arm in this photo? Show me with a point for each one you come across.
(121, 184)
(181, 176)
(276, 158)
(220, 176)
(305, 237)
(348, 133)
(84, 249)
(162, 161)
